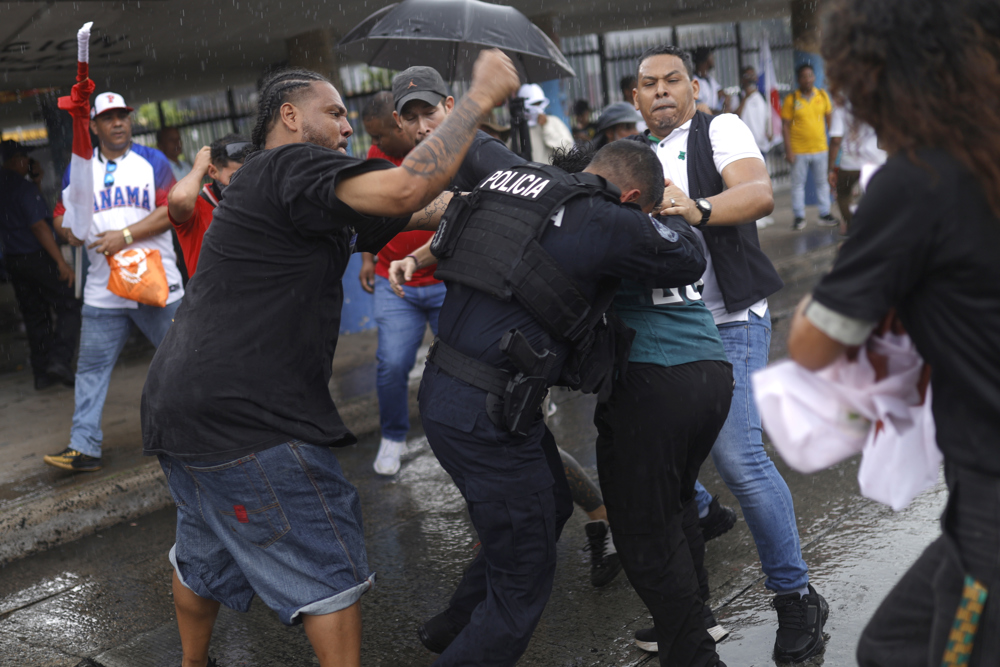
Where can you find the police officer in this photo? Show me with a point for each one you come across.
(531, 259)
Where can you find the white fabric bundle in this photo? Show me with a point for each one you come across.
(816, 420)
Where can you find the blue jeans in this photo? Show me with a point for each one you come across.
(747, 470)
(818, 164)
(283, 523)
(401, 324)
(102, 336)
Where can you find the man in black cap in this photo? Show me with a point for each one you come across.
(41, 277)
(423, 101)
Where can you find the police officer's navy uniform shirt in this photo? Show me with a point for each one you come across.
(21, 206)
(924, 241)
(247, 362)
(595, 239)
(486, 155)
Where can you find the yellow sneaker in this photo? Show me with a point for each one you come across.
(70, 459)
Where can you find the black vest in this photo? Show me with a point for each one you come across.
(744, 273)
(490, 241)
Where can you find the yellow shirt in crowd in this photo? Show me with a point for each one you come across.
(807, 133)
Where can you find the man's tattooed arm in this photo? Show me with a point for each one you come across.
(429, 218)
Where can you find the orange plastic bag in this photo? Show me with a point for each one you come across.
(137, 274)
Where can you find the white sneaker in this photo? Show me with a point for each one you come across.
(387, 459)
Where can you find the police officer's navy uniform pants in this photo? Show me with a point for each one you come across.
(653, 435)
(518, 499)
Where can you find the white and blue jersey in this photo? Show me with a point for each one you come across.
(138, 185)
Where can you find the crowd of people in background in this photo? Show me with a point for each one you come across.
(648, 209)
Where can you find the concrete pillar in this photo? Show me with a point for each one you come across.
(316, 50)
(806, 36)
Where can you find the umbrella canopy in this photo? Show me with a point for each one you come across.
(448, 35)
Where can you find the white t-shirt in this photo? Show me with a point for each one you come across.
(731, 141)
(757, 116)
(141, 182)
(860, 144)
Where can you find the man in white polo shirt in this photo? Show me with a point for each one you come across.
(717, 180)
(130, 209)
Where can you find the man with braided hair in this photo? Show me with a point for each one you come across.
(236, 404)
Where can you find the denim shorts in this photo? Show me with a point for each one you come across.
(283, 523)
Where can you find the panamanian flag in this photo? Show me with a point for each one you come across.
(78, 196)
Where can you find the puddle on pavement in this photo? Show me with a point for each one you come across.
(36, 593)
(853, 568)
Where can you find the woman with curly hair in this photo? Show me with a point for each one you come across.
(925, 75)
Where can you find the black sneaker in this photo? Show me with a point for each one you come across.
(646, 638)
(61, 373)
(604, 561)
(800, 625)
(438, 633)
(827, 221)
(719, 520)
(799, 224)
(717, 631)
(70, 459)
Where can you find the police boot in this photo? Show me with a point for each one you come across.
(438, 633)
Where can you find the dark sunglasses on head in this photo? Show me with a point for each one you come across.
(109, 174)
(238, 150)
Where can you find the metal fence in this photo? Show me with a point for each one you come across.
(201, 119)
(601, 61)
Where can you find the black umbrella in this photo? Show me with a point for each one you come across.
(448, 35)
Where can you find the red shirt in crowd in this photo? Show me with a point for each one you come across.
(402, 244)
(192, 231)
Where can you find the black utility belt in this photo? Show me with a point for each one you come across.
(513, 400)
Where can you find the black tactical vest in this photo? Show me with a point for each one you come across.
(490, 241)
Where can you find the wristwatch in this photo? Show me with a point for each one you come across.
(705, 207)
(128, 236)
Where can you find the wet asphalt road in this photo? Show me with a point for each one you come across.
(107, 596)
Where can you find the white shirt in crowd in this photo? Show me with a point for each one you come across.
(756, 115)
(860, 144)
(731, 141)
(142, 179)
(708, 92)
(545, 139)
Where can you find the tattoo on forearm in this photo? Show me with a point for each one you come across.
(429, 216)
(437, 154)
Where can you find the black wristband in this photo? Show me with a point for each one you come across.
(416, 261)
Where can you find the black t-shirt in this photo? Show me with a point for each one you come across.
(925, 242)
(595, 241)
(247, 361)
(486, 155)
